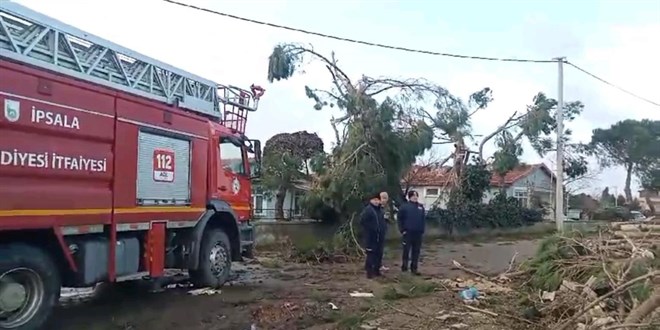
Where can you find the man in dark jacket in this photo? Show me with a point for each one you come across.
(372, 220)
(412, 222)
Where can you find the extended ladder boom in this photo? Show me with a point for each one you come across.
(33, 38)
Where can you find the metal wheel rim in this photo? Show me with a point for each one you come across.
(218, 259)
(35, 292)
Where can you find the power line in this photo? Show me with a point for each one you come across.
(613, 85)
(406, 49)
(355, 41)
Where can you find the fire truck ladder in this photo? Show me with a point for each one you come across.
(237, 103)
(30, 37)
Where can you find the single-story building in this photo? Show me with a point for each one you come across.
(524, 183)
(264, 202)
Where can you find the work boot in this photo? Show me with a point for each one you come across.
(415, 272)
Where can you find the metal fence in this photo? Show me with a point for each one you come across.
(289, 214)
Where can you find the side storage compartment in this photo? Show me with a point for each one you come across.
(163, 167)
(91, 255)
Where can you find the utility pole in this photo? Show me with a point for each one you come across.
(559, 193)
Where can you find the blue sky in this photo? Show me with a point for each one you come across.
(616, 39)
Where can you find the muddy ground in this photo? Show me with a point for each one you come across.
(268, 293)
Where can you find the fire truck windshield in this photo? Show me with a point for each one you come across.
(231, 156)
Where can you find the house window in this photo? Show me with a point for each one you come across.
(432, 191)
(520, 194)
(258, 200)
(297, 203)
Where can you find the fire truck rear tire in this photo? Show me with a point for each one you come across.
(215, 259)
(38, 278)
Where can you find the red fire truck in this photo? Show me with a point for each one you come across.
(113, 165)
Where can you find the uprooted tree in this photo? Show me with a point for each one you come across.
(452, 124)
(287, 157)
(537, 124)
(385, 124)
(376, 137)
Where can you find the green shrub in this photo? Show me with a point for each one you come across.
(501, 212)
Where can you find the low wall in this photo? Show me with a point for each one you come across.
(271, 232)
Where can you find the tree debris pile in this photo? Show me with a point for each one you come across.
(312, 250)
(605, 282)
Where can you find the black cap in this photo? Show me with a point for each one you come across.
(374, 195)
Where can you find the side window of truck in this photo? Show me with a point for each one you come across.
(231, 157)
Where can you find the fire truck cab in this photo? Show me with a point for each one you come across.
(113, 166)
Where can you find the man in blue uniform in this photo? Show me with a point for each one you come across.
(412, 222)
(372, 220)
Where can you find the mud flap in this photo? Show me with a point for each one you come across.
(247, 235)
(155, 247)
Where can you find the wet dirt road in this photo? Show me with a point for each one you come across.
(279, 295)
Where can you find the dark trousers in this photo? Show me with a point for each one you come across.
(412, 245)
(380, 251)
(374, 259)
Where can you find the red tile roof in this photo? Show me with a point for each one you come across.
(433, 176)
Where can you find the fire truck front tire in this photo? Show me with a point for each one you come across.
(29, 287)
(215, 259)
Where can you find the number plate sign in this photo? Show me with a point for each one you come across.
(163, 165)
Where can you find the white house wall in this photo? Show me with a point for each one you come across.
(539, 182)
(268, 206)
(538, 179)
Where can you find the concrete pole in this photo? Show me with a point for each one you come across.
(559, 206)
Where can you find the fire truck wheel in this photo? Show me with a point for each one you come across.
(29, 287)
(215, 260)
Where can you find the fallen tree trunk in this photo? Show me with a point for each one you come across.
(649, 305)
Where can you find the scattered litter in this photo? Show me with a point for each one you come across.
(548, 296)
(179, 285)
(290, 306)
(459, 326)
(371, 325)
(469, 294)
(204, 291)
(484, 286)
(357, 294)
(447, 318)
(333, 306)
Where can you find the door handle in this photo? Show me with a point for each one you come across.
(223, 188)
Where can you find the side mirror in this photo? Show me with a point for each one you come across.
(256, 144)
(255, 168)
